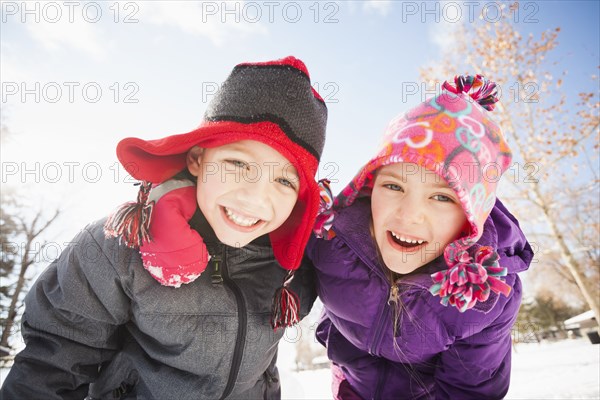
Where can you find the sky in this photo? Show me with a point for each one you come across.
(79, 76)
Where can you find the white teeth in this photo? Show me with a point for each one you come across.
(239, 220)
(403, 239)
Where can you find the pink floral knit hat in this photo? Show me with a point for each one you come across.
(453, 135)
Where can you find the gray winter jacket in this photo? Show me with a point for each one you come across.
(97, 324)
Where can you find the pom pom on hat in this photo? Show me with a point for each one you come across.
(482, 90)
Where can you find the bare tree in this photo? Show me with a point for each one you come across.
(20, 251)
(554, 135)
(8, 230)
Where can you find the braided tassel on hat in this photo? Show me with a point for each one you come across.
(131, 221)
(286, 305)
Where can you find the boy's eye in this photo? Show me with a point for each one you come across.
(237, 163)
(393, 186)
(443, 198)
(286, 182)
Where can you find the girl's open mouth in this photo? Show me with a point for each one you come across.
(402, 242)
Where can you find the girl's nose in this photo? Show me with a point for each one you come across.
(412, 210)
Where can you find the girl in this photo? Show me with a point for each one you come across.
(417, 262)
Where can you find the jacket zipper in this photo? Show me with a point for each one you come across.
(378, 328)
(221, 275)
(216, 277)
(375, 343)
(393, 297)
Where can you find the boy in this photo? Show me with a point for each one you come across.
(97, 324)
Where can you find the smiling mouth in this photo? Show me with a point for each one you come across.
(239, 219)
(405, 242)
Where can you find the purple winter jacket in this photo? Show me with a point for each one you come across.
(440, 353)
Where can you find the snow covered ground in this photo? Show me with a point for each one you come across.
(569, 369)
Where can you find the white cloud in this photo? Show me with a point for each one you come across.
(380, 6)
(442, 33)
(218, 21)
(452, 16)
(81, 35)
(57, 28)
(9, 64)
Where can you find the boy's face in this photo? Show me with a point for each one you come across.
(415, 216)
(245, 189)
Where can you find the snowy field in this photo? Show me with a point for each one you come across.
(569, 369)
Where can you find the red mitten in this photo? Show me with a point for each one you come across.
(176, 253)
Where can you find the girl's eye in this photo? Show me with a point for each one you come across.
(286, 182)
(394, 187)
(237, 163)
(443, 198)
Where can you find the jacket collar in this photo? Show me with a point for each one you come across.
(353, 226)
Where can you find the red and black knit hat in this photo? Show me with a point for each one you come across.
(270, 102)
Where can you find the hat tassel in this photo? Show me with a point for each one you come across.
(285, 309)
(131, 221)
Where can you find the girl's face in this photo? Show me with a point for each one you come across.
(245, 189)
(415, 216)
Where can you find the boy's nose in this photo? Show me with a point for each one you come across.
(254, 191)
